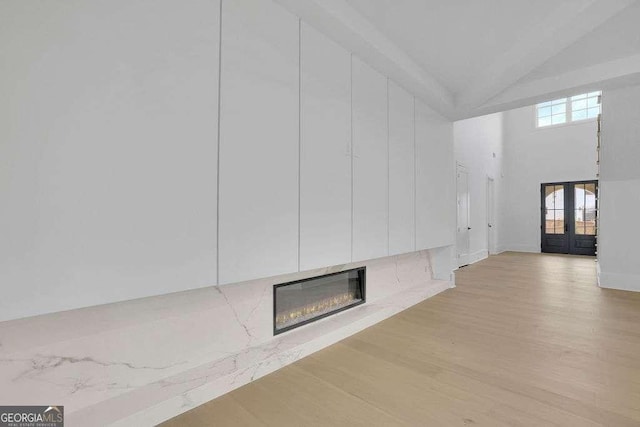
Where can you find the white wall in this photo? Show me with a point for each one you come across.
(402, 234)
(325, 152)
(370, 163)
(479, 148)
(435, 179)
(259, 135)
(618, 251)
(533, 156)
(109, 152)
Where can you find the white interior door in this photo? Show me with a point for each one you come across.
(491, 226)
(462, 242)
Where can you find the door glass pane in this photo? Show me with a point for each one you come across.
(579, 222)
(559, 221)
(590, 209)
(585, 209)
(579, 199)
(554, 209)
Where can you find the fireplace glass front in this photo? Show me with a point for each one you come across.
(303, 301)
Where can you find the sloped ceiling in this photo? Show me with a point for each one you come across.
(471, 57)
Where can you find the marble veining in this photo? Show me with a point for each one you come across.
(143, 361)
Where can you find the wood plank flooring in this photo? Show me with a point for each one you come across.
(523, 340)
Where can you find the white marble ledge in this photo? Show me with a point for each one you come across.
(164, 399)
(162, 355)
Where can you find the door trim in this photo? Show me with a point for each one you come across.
(491, 216)
(462, 261)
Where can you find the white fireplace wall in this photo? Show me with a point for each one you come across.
(370, 163)
(191, 346)
(109, 154)
(402, 188)
(259, 95)
(325, 151)
(108, 129)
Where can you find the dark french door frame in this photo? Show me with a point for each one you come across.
(569, 242)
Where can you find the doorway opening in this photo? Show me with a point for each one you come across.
(463, 223)
(569, 212)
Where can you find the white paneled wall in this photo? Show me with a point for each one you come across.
(370, 163)
(108, 127)
(401, 171)
(435, 179)
(259, 137)
(325, 151)
(123, 179)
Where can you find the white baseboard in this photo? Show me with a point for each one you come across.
(623, 282)
(478, 256)
(519, 248)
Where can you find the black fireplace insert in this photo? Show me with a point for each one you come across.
(304, 301)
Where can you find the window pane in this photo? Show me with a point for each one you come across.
(544, 121)
(559, 101)
(579, 105)
(545, 111)
(556, 109)
(544, 104)
(595, 93)
(592, 102)
(558, 118)
(578, 115)
(593, 112)
(583, 96)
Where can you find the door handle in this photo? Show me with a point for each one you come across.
(490, 225)
(468, 228)
(566, 227)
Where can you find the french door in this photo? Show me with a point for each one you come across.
(569, 214)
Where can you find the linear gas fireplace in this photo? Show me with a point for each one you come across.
(303, 301)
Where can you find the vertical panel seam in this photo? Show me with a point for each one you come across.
(415, 180)
(218, 145)
(299, 134)
(388, 177)
(352, 143)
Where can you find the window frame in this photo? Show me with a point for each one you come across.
(568, 103)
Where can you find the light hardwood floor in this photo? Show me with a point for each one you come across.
(523, 340)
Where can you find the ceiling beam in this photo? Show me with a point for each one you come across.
(568, 23)
(608, 75)
(339, 21)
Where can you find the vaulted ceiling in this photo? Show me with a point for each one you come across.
(472, 57)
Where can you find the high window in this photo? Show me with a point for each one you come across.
(566, 110)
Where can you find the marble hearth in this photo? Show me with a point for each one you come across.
(143, 361)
